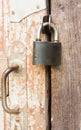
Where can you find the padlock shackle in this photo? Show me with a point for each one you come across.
(56, 35)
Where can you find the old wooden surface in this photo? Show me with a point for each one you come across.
(27, 90)
(66, 79)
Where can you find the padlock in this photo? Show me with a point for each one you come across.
(44, 52)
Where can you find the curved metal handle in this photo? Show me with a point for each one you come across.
(4, 97)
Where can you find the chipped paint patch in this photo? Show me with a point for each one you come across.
(1, 117)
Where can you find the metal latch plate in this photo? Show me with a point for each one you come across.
(21, 9)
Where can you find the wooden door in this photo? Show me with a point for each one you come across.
(27, 87)
(66, 79)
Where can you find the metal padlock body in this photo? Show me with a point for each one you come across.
(47, 53)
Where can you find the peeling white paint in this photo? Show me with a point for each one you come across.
(33, 100)
(25, 90)
(21, 9)
(1, 117)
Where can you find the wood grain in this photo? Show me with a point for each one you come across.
(27, 91)
(66, 79)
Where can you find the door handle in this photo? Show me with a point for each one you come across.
(4, 88)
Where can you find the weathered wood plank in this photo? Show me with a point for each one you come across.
(3, 64)
(35, 78)
(14, 40)
(27, 91)
(66, 79)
